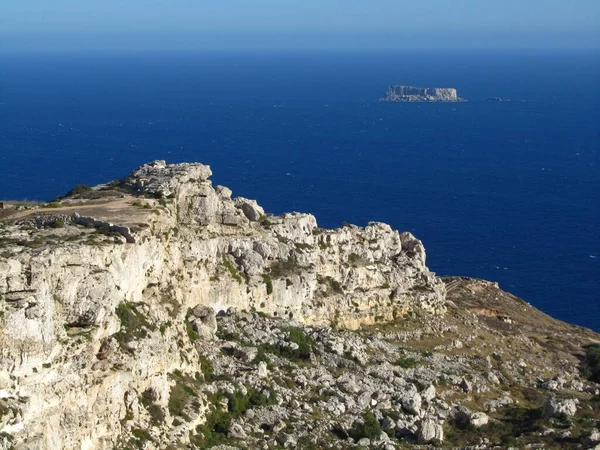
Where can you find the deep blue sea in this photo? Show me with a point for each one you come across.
(506, 191)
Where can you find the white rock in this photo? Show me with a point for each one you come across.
(428, 393)
(555, 407)
(262, 370)
(412, 403)
(479, 419)
(430, 431)
(236, 431)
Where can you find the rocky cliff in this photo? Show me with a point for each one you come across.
(159, 312)
(399, 93)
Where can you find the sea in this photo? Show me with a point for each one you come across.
(508, 191)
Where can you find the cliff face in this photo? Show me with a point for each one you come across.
(158, 312)
(399, 93)
(98, 293)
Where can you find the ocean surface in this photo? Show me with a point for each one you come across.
(506, 191)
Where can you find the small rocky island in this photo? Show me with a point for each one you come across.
(402, 94)
(162, 312)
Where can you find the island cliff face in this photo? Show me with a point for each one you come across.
(110, 336)
(400, 93)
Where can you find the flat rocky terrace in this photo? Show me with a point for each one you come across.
(124, 210)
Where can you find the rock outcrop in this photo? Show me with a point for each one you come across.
(69, 285)
(159, 312)
(398, 94)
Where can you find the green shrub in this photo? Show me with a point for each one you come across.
(54, 204)
(134, 325)
(114, 184)
(240, 403)
(206, 367)
(214, 429)
(299, 337)
(157, 415)
(79, 189)
(261, 355)
(192, 334)
(369, 428)
(140, 437)
(592, 362)
(58, 223)
(406, 362)
(218, 421)
(179, 398)
(269, 283)
(282, 269)
(232, 270)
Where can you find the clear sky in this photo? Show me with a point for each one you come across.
(232, 24)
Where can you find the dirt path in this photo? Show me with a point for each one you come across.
(119, 211)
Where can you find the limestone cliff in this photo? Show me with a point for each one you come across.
(158, 312)
(400, 93)
(96, 292)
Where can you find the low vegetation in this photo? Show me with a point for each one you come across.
(284, 268)
(368, 428)
(78, 190)
(148, 400)
(333, 286)
(192, 334)
(268, 283)
(214, 430)
(232, 270)
(134, 324)
(406, 362)
(304, 343)
(592, 362)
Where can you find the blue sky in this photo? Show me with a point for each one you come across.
(280, 24)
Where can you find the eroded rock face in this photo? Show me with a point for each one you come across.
(91, 320)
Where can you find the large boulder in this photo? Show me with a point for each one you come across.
(412, 403)
(430, 431)
(250, 208)
(203, 321)
(479, 419)
(555, 407)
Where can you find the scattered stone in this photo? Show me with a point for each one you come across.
(479, 419)
(262, 370)
(555, 407)
(204, 321)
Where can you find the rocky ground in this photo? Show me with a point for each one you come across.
(156, 312)
(472, 379)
